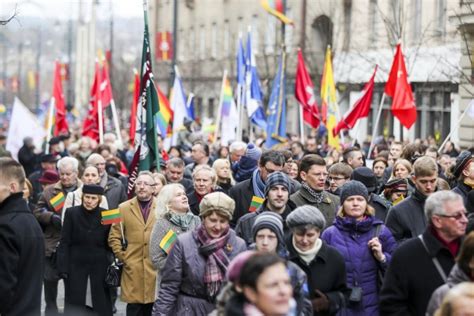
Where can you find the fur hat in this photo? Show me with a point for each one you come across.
(218, 202)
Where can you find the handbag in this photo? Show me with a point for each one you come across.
(114, 273)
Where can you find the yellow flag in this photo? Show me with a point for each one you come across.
(31, 80)
(329, 107)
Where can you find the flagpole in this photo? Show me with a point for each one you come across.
(219, 111)
(116, 123)
(374, 130)
(101, 123)
(454, 130)
(50, 123)
(300, 112)
(240, 92)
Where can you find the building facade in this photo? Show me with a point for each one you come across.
(361, 33)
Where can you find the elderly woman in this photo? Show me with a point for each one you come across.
(90, 175)
(173, 218)
(204, 182)
(458, 301)
(224, 174)
(196, 266)
(83, 255)
(366, 245)
(323, 264)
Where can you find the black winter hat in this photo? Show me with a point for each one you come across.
(461, 162)
(366, 176)
(351, 188)
(92, 189)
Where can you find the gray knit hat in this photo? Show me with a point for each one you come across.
(270, 220)
(253, 152)
(351, 188)
(306, 215)
(277, 178)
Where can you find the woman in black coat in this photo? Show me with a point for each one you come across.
(83, 256)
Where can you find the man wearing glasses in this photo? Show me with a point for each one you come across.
(314, 173)
(407, 219)
(339, 173)
(130, 240)
(420, 265)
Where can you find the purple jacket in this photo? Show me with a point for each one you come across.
(350, 238)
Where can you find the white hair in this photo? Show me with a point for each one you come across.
(166, 194)
(237, 145)
(68, 161)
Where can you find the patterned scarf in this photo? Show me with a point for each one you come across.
(181, 220)
(258, 184)
(317, 196)
(216, 259)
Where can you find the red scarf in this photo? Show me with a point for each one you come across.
(453, 246)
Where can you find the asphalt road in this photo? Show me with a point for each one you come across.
(121, 306)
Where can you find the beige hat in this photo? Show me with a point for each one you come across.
(217, 202)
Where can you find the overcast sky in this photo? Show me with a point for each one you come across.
(65, 9)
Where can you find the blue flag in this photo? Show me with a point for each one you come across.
(240, 64)
(253, 96)
(276, 124)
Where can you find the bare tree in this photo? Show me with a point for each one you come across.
(13, 16)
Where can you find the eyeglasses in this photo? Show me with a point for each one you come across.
(336, 178)
(456, 216)
(145, 184)
(269, 170)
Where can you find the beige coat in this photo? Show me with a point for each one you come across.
(138, 275)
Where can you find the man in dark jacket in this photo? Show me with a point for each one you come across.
(21, 244)
(47, 162)
(174, 173)
(27, 156)
(420, 265)
(464, 173)
(368, 178)
(407, 219)
(204, 182)
(276, 200)
(254, 188)
(48, 212)
(313, 172)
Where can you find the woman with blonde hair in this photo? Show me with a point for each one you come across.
(366, 245)
(458, 301)
(224, 174)
(173, 218)
(402, 169)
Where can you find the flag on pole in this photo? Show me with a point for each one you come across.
(57, 100)
(178, 105)
(146, 143)
(360, 109)
(276, 8)
(168, 241)
(329, 106)
(304, 93)
(164, 46)
(133, 112)
(229, 115)
(23, 124)
(111, 217)
(190, 106)
(253, 96)
(397, 87)
(90, 127)
(240, 63)
(276, 124)
(165, 115)
(106, 86)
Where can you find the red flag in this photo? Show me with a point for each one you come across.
(164, 46)
(403, 104)
(60, 123)
(360, 109)
(90, 127)
(304, 93)
(106, 87)
(133, 114)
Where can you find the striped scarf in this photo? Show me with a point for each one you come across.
(216, 259)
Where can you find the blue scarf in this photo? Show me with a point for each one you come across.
(258, 184)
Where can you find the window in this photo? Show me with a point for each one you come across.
(226, 35)
(347, 24)
(192, 43)
(373, 13)
(270, 35)
(323, 32)
(416, 18)
(289, 31)
(202, 43)
(214, 40)
(181, 44)
(441, 18)
(255, 37)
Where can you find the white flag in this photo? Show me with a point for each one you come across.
(178, 105)
(23, 124)
(229, 125)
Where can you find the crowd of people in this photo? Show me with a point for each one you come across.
(238, 230)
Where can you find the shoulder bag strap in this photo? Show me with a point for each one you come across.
(435, 261)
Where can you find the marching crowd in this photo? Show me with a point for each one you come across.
(238, 230)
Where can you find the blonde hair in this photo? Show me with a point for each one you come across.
(218, 163)
(166, 194)
(404, 163)
(369, 211)
(200, 168)
(463, 290)
(159, 176)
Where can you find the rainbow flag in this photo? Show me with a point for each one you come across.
(168, 241)
(111, 217)
(276, 8)
(58, 202)
(227, 98)
(255, 203)
(164, 115)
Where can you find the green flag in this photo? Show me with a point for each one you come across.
(146, 143)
